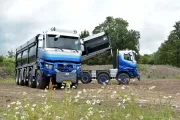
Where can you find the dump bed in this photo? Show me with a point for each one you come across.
(94, 45)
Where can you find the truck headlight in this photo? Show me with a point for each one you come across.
(78, 67)
(74, 71)
(49, 66)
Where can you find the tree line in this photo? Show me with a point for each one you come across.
(169, 51)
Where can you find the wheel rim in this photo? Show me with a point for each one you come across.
(19, 79)
(16, 78)
(30, 81)
(123, 79)
(24, 78)
(38, 78)
(103, 79)
(85, 78)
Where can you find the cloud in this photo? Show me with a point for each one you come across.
(23, 19)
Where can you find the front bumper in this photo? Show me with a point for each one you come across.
(66, 76)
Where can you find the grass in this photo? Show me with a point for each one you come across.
(84, 105)
(8, 80)
(177, 77)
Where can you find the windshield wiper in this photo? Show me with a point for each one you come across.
(72, 49)
(59, 48)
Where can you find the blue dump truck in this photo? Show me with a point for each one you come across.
(124, 65)
(53, 56)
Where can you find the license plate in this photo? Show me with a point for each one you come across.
(67, 82)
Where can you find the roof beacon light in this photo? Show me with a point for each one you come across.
(62, 30)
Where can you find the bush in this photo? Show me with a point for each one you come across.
(1, 59)
(8, 67)
(9, 71)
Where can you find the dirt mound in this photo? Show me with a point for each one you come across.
(146, 71)
(159, 72)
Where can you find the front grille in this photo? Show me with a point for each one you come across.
(65, 67)
(60, 66)
(62, 76)
(69, 66)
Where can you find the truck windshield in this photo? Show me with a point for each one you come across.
(63, 42)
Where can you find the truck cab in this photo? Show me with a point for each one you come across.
(126, 66)
(59, 56)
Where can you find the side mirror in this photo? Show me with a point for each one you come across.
(82, 45)
(81, 42)
(40, 37)
(56, 38)
(131, 58)
(40, 44)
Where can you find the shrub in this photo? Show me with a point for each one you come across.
(1, 59)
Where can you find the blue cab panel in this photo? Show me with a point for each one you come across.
(59, 61)
(55, 55)
(127, 66)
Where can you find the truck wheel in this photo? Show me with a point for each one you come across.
(123, 78)
(17, 77)
(21, 81)
(85, 78)
(40, 80)
(24, 79)
(103, 78)
(31, 81)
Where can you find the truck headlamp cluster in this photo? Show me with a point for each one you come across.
(79, 68)
(49, 66)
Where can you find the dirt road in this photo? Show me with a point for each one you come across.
(145, 90)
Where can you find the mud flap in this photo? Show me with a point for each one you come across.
(138, 77)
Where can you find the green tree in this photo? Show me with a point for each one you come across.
(11, 54)
(1, 59)
(120, 36)
(84, 34)
(147, 59)
(169, 51)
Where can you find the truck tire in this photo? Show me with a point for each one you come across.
(40, 80)
(103, 78)
(17, 77)
(31, 81)
(123, 78)
(21, 81)
(85, 78)
(24, 79)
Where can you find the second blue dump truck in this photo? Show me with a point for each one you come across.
(123, 69)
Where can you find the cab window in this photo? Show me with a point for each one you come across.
(127, 57)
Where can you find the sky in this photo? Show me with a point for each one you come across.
(21, 20)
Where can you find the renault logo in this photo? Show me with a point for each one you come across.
(66, 73)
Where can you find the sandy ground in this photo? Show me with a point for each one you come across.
(142, 90)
